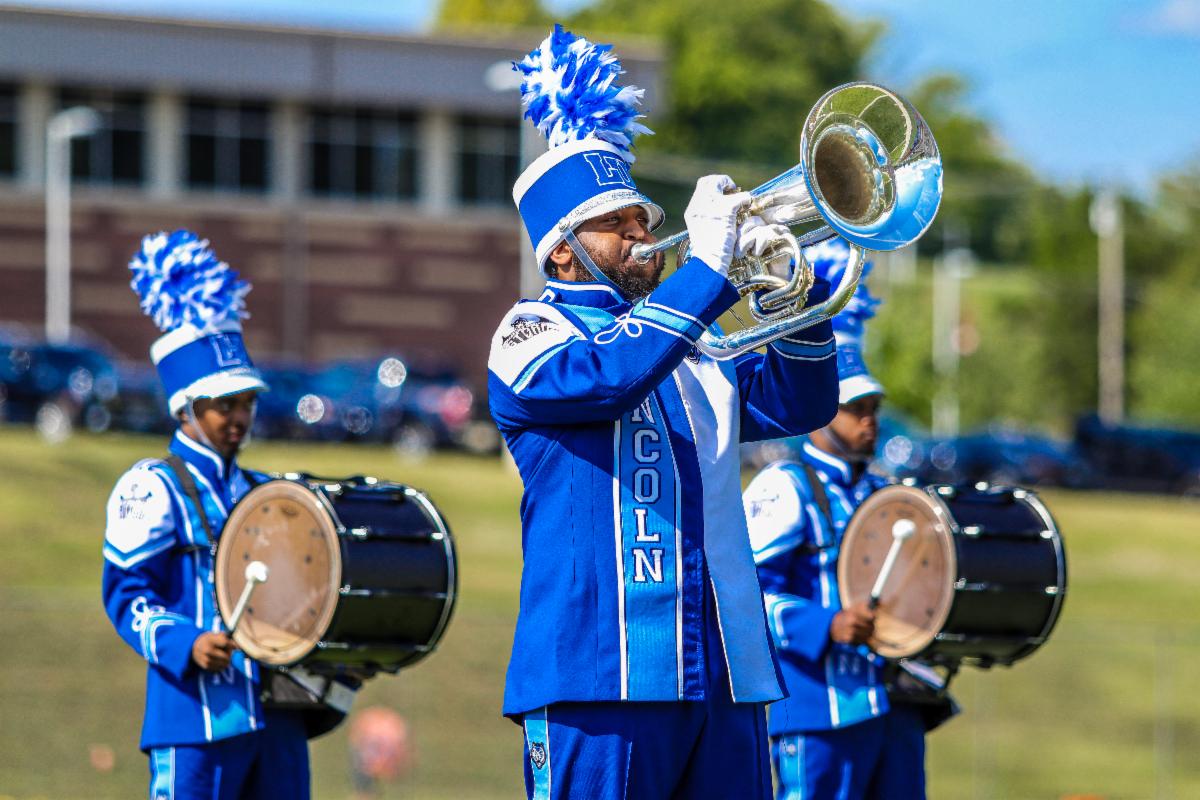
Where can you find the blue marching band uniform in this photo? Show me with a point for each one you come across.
(643, 655)
(638, 588)
(206, 733)
(837, 735)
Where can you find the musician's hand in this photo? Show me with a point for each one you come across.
(852, 625)
(712, 221)
(755, 235)
(212, 651)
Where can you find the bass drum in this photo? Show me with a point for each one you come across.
(361, 574)
(982, 580)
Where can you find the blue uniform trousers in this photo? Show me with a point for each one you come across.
(877, 759)
(713, 750)
(270, 764)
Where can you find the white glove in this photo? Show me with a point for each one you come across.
(754, 235)
(711, 219)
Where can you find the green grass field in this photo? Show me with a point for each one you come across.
(1106, 708)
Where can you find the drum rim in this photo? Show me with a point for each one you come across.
(435, 636)
(330, 525)
(1032, 499)
(932, 500)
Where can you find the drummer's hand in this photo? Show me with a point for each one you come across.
(212, 651)
(852, 625)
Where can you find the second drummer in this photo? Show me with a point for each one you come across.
(834, 736)
(205, 730)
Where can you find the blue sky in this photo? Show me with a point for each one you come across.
(1084, 91)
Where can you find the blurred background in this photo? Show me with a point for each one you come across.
(355, 163)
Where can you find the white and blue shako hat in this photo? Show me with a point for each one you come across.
(829, 260)
(199, 303)
(570, 93)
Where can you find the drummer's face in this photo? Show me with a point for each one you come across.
(225, 421)
(857, 423)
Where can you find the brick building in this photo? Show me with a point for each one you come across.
(360, 182)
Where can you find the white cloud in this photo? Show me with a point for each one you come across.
(1172, 18)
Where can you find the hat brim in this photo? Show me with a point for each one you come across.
(222, 384)
(856, 386)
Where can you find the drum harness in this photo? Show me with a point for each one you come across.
(323, 701)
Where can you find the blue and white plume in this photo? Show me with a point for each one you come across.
(181, 281)
(570, 92)
(829, 260)
(199, 304)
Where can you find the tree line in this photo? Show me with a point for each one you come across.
(740, 79)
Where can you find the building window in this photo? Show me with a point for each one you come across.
(227, 145)
(115, 153)
(488, 160)
(8, 130)
(362, 153)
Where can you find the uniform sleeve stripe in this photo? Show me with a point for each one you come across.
(137, 556)
(533, 366)
(778, 546)
(661, 317)
(804, 351)
(675, 311)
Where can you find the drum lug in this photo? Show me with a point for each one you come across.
(359, 533)
(946, 491)
(972, 530)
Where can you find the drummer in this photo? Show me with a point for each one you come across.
(204, 729)
(834, 736)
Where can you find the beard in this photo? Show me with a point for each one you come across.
(634, 280)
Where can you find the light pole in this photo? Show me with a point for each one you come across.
(948, 273)
(62, 128)
(1106, 221)
(501, 77)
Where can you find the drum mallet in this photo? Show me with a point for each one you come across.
(256, 573)
(902, 531)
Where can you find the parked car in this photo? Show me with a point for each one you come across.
(1139, 458)
(279, 410)
(387, 400)
(141, 402)
(57, 386)
(1003, 455)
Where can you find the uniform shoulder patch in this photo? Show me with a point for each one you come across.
(774, 510)
(528, 331)
(523, 327)
(139, 514)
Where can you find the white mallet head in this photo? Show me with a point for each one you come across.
(257, 572)
(902, 530)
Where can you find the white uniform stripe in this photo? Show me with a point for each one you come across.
(620, 545)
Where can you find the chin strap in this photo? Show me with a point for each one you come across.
(582, 254)
(843, 450)
(204, 440)
(191, 414)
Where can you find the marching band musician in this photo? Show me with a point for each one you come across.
(641, 661)
(205, 729)
(837, 735)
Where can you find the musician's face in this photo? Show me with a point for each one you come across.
(857, 424)
(225, 421)
(609, 240)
